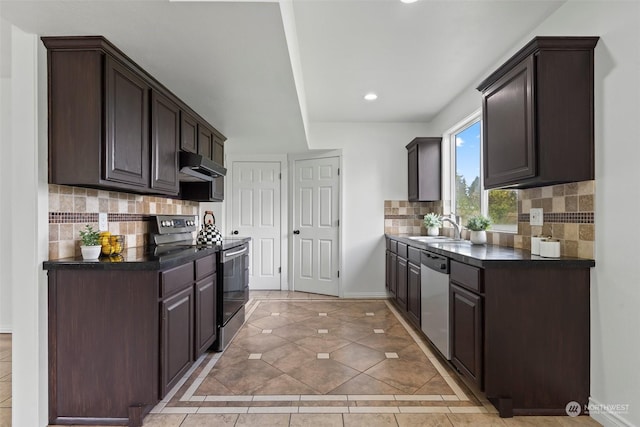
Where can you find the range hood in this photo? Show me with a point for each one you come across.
(197, 168)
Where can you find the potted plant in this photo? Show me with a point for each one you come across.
(432, 222)
(478, 225)
(90, 243)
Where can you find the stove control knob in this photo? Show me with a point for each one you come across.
(163, 223)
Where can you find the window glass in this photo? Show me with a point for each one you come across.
(468, 193)
(500, 205)
(503, 210)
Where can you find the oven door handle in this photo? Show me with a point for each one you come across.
(228, 254)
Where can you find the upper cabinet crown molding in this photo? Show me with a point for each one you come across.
(537, 111)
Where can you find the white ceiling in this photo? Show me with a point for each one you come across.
(233, 63)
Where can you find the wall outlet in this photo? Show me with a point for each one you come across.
(103, 223)
(535, 216)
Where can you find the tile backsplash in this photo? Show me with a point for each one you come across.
(72, 208)
(568, 216)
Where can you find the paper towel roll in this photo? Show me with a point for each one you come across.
(550, 248)
(535, 243)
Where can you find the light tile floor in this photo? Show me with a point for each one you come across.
(5, 380)
(288, 383)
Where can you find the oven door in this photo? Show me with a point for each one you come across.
(235, 291)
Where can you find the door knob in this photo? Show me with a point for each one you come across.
(296, 231)
(235, 231)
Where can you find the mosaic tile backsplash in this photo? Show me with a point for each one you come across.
(72, 208)
(568, 216)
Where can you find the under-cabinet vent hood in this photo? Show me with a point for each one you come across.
(197, 168)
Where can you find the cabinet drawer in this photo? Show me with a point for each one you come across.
(205, 266)
(414, 255)
(176, 279)
(467, 276)
(402, 250)
(392, 245)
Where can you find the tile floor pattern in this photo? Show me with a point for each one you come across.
(357, 376)
(5, 380)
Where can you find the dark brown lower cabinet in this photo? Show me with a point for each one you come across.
(119, 340)
(413, 293)
(392, 273)
(205, 316)
(103, 345)
(176, 338)
(466, 316)
(401, 291)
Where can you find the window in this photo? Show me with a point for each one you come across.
(467, 195)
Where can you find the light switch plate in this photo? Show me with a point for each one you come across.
(103, 223)
(535, 216)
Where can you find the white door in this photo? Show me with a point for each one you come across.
(255, 213)
(315, 225)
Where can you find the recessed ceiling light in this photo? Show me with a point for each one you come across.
(408, 1)
(371, 96)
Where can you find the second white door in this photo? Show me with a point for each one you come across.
(256, 213)
(315, 225)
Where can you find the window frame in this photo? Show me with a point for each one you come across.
(449, 168)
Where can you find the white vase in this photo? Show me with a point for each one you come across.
(90, 252)
(433, 231)
(478, 237)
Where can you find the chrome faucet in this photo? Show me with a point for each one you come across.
(458, 228)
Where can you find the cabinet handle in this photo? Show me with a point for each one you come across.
(235, 231)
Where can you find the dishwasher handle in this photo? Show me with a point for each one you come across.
(435, 262)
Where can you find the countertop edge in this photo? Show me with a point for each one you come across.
(526, 259)
(77, 263)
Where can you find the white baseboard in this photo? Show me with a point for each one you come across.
(365, 295)
(607, 418)
(4, 329)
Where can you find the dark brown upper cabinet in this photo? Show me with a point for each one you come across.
(205, 141)
(537, 112)
(424, 169)
(165, 134)
(126, 126)
(114, 126)
(188, 133)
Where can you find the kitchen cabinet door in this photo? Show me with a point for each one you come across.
(176, 342)
(401, 291)
(188, 133)
(413, 293)
(423, 167)
(165, 134)
(205, 141)
(466, 322)
(205, 326)
(126, 125)
(392, 273)
(218, 150)
(508, 127)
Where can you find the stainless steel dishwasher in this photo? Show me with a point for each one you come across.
(434, 288)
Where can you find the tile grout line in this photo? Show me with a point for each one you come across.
(189, 393)
(432, 358)
(163, 403)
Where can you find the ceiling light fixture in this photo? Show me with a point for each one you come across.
(371, 96)
(408, 1)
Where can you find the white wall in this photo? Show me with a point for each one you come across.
(25, 208)
(374, 169)
(5, 167)
(615, 284)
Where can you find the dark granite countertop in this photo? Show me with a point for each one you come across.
(489, 256)
(144, 258)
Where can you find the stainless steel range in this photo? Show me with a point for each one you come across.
(172, 236)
